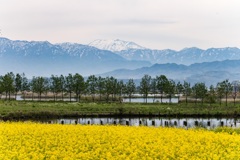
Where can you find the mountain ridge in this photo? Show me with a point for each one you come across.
(114, 45)
(186, 56)
(46, 58)
(207, 72)
(43, 59)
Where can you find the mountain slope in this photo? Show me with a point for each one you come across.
(208, 72)
(44, 58)
(186, 56)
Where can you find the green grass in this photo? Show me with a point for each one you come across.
(33, 110)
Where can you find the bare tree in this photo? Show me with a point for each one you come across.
(235, 89)
(130, 88)
(145, 86)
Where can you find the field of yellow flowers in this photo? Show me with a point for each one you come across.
(30, 140)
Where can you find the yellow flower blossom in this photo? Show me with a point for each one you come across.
(29, 140)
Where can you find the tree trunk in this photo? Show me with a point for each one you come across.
(77, 97)
(107, 97)
(226, 99)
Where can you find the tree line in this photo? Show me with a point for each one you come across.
(111, 89)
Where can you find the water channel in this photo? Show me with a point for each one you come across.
(125, 100)
(150, 100)
(156, 122)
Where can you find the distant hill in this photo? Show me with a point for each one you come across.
(208, 72)
(44, 58)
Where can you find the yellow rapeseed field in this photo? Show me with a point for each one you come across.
(54, 141)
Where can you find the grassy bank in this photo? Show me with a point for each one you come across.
(38, 110)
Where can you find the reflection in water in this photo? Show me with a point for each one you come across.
(151, 100)
(164, 122)
(19, 98)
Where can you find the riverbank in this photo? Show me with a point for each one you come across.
(10, 110)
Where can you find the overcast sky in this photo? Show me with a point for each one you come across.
(156, 24)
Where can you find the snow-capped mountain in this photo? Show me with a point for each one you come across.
(44, 58)
(114, 45)
(185, 56)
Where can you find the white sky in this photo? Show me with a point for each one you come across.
(156, 24)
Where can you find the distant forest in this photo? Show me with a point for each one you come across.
(110, 89)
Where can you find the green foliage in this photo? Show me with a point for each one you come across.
(227, 130)
(130, 88)
(145, 86)
(109, 89)
(199, 91)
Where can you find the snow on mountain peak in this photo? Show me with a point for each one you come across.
(114, 45)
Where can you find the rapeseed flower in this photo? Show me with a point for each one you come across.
(19, 140)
